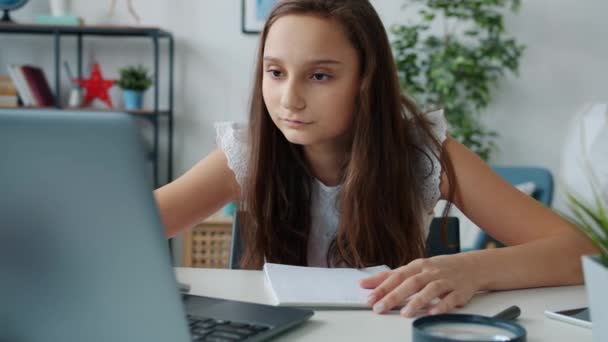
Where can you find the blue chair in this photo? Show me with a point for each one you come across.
(543, 181)
(438, 242)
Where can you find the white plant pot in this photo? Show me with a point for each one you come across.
(596, 283)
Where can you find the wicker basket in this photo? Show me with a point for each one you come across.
(207, 245)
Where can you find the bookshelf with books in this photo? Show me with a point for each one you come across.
(32, 86)
(27, 86)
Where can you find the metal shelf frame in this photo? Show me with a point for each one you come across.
(155, 34)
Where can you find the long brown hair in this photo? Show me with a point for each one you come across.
(380, 203)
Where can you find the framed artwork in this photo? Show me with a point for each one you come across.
(254, 14)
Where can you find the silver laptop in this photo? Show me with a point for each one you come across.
(83, 256)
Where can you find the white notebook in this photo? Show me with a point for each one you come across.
(318, 287)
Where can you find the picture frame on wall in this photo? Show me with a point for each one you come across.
(254, 14)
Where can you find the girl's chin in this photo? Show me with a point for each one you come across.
(297, 138)
(298, 141)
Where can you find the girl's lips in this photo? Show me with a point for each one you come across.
(295, 123)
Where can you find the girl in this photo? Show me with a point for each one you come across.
(336, 168)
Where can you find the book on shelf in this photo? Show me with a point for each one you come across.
(36, 80)
(68, 20)
(32, 85)
(19, 81)
(8, 92)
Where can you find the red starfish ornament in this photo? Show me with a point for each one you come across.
(96, 87)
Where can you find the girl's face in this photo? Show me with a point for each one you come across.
(311, 79)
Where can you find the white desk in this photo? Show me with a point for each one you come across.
(364, 325)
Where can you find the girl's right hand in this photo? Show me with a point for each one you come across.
(451, 278)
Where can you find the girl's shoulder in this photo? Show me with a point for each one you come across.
(439, 125)
(232, 139)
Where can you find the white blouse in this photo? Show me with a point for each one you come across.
(232, 140)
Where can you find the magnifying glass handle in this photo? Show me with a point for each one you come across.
(509, 313)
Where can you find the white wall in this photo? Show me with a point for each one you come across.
(563, 67)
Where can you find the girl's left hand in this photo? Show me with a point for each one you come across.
(451, 278)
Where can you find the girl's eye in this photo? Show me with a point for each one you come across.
(318, 76)
(274, 73)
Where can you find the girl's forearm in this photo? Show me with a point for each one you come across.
(552, 261)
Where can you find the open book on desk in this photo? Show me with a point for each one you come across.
(318, 287)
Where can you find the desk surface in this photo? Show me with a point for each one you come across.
(364, 325)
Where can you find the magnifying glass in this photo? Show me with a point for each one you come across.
(473, 328)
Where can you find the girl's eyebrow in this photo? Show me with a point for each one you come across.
(312, 62)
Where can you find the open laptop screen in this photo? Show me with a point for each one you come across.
(83, 256)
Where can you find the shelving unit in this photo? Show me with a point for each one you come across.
(79, 32)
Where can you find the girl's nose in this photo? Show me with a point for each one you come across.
(291, 97)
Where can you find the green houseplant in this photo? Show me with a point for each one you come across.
(592, 220)
(457, 68)
(134, 81)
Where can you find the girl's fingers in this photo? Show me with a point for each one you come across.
(395, 290)
(391, 280)
(375, 280)
(434, 289)
(453, 300)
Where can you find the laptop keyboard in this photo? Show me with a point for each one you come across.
(214, 330)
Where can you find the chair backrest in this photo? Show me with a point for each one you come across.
(440, 242)
(437, 242)
(541, 177)
(236, 246)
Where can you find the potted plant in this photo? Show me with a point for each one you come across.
(134, 81)
(592, 219)
(452, 57)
